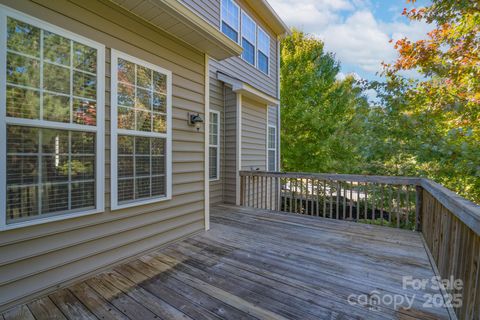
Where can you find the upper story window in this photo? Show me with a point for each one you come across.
(263, 51)
(230, 19)
(51, 92)
(141, 135)
(249, 38)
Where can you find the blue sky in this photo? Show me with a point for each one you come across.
(357, 31)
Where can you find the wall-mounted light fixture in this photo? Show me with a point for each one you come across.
(195, 120)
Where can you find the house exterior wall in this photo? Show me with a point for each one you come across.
(230, 167)
(236, 66)
(35, 259)
(254, 135)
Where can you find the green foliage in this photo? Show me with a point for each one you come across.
(322, 117)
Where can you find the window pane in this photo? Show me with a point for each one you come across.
(126, 71)
(263, 42)
(83, 143)
(159, 82)
(144, 77)
(55, 198)
(158, 146)
(23, 71)
(125, 166)
(125, 95)
(82, 168)
(84, 58)
(22, 139)
(144, 121)
(271, 160)
(126, 118)
(230, 13)
(249, 28)
(56, 48)
(159, 123)
(22, 37)
(22, 203)
(125, 190)
(213, 162)
(56, 78)
(142, 145)
(159, 102)
(23, 103)
(142, 188)
(67, 161)
(22, 169)
(56, 108)
(262, 62)
(144, 99)
(84, 85)
(158, 165)
(248, 53)
(229, 32)
(83, 195)
(142, 165)
(84, 112)
(125, 144)
(158, 186)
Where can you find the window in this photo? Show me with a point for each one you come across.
(230, 19)
(249, 38)
(263, 51)
(141, 132)
(272, 148)
(214, 150)
(51, 97)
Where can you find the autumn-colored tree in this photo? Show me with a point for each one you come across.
(433, 122)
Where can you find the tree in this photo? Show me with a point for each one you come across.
(322, 117)
(431, 126)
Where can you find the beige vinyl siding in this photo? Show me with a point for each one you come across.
(230, 149)
(37, 258)
(254, 132)
(272, 115)
(207, 9)
(217, 101)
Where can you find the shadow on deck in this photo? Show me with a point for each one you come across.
(255, 264)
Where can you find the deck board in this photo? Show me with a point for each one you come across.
(255, 265)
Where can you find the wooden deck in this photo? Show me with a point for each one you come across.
(256, 265)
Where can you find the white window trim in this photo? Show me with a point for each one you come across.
(115, 131)
(4, 120)
(239, 40)
(265, 53)
(216, 146)
(271, 149)
(254, 43)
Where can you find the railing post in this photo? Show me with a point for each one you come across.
(418, 208)
(242, 190)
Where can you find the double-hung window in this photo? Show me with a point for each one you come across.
(249, 38)
(230, 19)
(141, 139)
(214, 144)
(263, 51)
(272, 148)
(51, 122)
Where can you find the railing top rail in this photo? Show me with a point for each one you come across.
(336, 177)
(465, 210)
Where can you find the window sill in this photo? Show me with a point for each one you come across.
(40, 221)
(116, 207)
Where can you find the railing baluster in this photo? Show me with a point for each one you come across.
(331, 201)
(374, 193)
(317, 210)
(351, 200)
(398, 206)
(382, 200)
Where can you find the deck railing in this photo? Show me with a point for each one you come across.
(450, 224)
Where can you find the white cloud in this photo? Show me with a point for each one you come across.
(350, 29)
